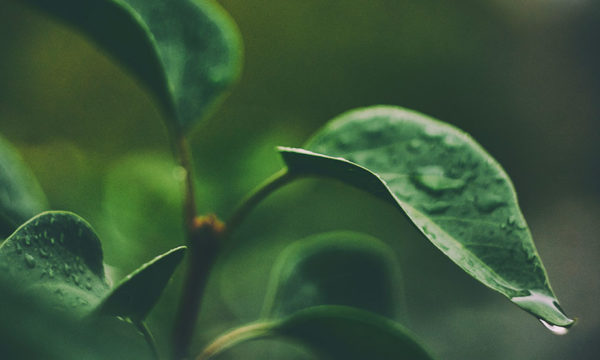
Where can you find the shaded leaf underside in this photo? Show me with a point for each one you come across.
(187, 52)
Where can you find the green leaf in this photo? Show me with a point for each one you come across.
(31, 330)
(21, 196)
(137, 294)
(452, 190)
(187, 52)
(56, 256)
(332, 332)
(338, 268)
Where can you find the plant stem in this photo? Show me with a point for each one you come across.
(203, 234)
(277, 180)
(236, 336)
(189, 205)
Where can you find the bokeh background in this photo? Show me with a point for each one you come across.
(521, 76)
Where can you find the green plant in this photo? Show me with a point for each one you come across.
(188, 54)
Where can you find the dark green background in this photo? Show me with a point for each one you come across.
(521, 77)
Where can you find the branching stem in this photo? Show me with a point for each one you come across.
(203, 238)
(279, 179)
(204, 235)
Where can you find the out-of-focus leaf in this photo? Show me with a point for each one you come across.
(142, 208)
(137, 294)
(332, 332)
(31, 330)
(453, 191)
(187, 52)
(56, 256)
(339, 268)
(21, 196)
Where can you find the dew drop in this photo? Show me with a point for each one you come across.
(433, 132)
(434, 180)
(427, 232)
(52, 241)
(18, 248)
(556, 330)
(414, 145)
(486, 203)
(437, 207)
(51, 273)
(452, 142)
(30, 261)
(62, 238)
(43, 253)
(67, 269)
(28, 241)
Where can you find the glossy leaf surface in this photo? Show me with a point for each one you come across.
(187, 52)
(334, 333)
(56, 256)
(452, 190)
(21, 197)
(137, 294)
(339, 268)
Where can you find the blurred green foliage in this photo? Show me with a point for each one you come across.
(521, 77)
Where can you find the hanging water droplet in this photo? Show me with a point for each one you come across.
(30, 261)
(52, 241)
(540, 304)
(43, 253)
(434, 180)
(88, 285)
(511, 220)
(81, 268)
(75, 279)
(79, 232)
(28, 241)
(556, 330)
(45, 234)
(51, 273)
(62, 238)
(488, 202)
(67, 269)
(18, 248)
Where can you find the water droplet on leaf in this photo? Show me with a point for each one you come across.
(414, 145)
(30, 261)
(437, 207)
(434, 180)
(487, 202)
